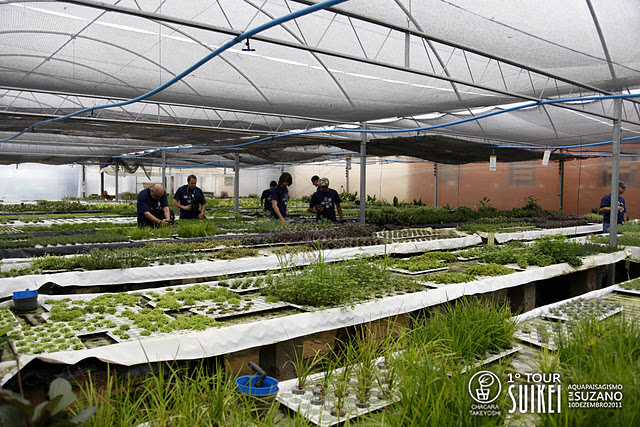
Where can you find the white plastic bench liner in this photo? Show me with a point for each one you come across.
(534, 234)
(205, 268)
(219, 341)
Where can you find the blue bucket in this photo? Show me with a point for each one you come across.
(25, 300)
(246, 384)
(260, 399)
(25, 294)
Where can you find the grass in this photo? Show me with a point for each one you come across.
(465, 330)
(605, 352)
(323, 285)
(426, 372)
(488, 270)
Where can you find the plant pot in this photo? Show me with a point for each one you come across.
(338, 413)
(361, 404)
(298, 390)
(317, 400)
(25, 300)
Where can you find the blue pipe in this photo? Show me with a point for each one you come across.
(229, 44)
(593, 144)
(427, 128)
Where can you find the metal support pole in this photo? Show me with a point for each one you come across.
(101, 183)
(561, 185)
(164, 169)
(83, 178)
(407, 49)
(435, 184)
(346, 171)
(363, 173)
(117, 197)
(615, 172)
(236, 184)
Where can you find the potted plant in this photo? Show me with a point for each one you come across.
(303, 368)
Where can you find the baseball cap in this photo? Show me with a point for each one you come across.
(622, 184)
(324, 182)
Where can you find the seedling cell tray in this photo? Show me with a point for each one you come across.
(580, 308)
(321, 415)
(491, 357)
(222, 310)
(416, 273)
(622, 290)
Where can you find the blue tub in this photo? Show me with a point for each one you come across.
(25, 300)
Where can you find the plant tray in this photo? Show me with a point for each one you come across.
(583, 308)
(622, 290)
(8, 319)
(533, 336)
(115, 318)
(223, 310)
(491, 357)
(416, 273)
(321, 414)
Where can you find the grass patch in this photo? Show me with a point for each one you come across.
(606, 352)
(322, 284)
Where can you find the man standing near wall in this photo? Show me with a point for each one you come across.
(605, 208)
(190, 200)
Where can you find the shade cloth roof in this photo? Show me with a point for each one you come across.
(395, 64)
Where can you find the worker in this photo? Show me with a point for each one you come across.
(265, 198)
(325, 201)
(280, 197)
(153, 207)
(314, 181)
(190, 200)
(605, 208)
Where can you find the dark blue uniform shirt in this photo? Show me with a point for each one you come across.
(328, 201)
(281, 196)
(195, 198)
(147, 204)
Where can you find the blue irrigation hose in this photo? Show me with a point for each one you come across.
(420, 129)
(229, 44)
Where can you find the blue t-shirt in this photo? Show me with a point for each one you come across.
(606, 202)
(281, 196)
(147, 204)
(328, 201)
(266, 196)
(195, 198)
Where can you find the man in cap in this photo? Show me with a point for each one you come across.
(605, 208)
(324, 201)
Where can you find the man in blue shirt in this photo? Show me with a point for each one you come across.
(153, 207)
(280, 197)
(265, 198)
(190, 200)
(605, 208)
(324, 201)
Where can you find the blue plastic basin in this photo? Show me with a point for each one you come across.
(246, 384)
(25, 294)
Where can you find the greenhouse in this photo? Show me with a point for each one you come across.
(387, 212)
